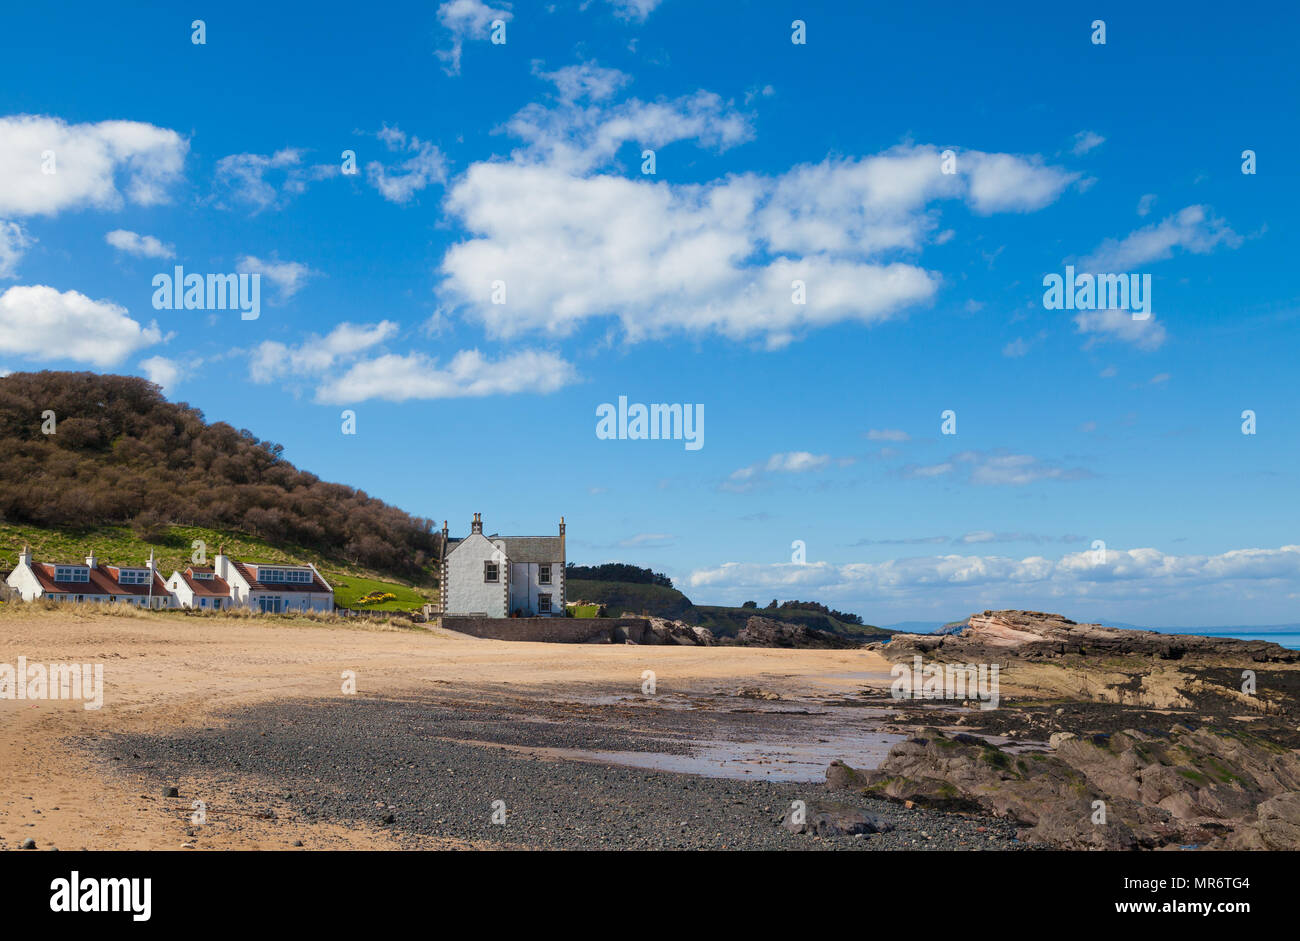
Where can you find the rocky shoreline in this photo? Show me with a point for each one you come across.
(1116, 739)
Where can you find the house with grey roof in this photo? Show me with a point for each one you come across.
(503, 576)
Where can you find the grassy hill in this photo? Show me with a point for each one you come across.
(656, 600)
(726, 621)
(174, 546)
(83, 451)
(634, 598)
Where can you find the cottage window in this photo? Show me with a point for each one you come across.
(491, 572)
(543, 604)
(543, 574)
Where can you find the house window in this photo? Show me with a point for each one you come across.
(69, 573)
(543, 604)
(132, 576)
(491, 572)
(543, 574)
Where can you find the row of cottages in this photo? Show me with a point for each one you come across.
(272, 588)
(503, 576)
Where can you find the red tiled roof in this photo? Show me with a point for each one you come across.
(213, 587)
(248, 571)
(103, 581)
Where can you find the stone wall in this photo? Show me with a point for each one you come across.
(549, 630)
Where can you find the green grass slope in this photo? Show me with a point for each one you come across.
(727, 622)
(118, 545)
(633, 598)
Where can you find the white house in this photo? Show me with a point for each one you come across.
(89, 581)
(503, 576)
(274, 587)
(200, 587)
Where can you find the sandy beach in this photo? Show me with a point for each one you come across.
(70, 777)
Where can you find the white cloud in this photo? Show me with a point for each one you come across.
(1192, 229)
(317, 354)
(1016, 348)
(973, 582)
(634, 11)
(996, 469)
(142, 246)
(1085, 141)
(13, 245)
(42, 324)
(1145, 203)
(467, 19)
(572, 243)
(1115, 324)
(287, 277)
(784, 462)
(166, 372)
(99, 166)
(580, 137)
(647, 540)
(469, 374)
(263, 181)
(399, 183)
(888, 434)
(1012, 183)
(585, 80)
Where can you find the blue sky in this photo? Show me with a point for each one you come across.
(820, 162)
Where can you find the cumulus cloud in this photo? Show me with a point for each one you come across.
(99, 166)
(287, 277)
(14, 241)
(467, 19)
(572, 243)
(1115, 324)
(584, 80)
(965, 582)
(41, 324)
(1085, 141)
(1193, 229)
(469, 374)
(424, 164)
(166, 372)
(317, 354)
(264, 181)
(142, 246)
(784, 462)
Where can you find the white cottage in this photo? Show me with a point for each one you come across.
(274, 587)
(503, 576)
(199, 586)
(89, 581)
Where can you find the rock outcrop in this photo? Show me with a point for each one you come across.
(1122, 791)
(829, 818)
(765, 632)
(664, 631)
(1034, 635)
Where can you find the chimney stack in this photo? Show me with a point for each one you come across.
(477, 525)
(25, 558)
(91, 560)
